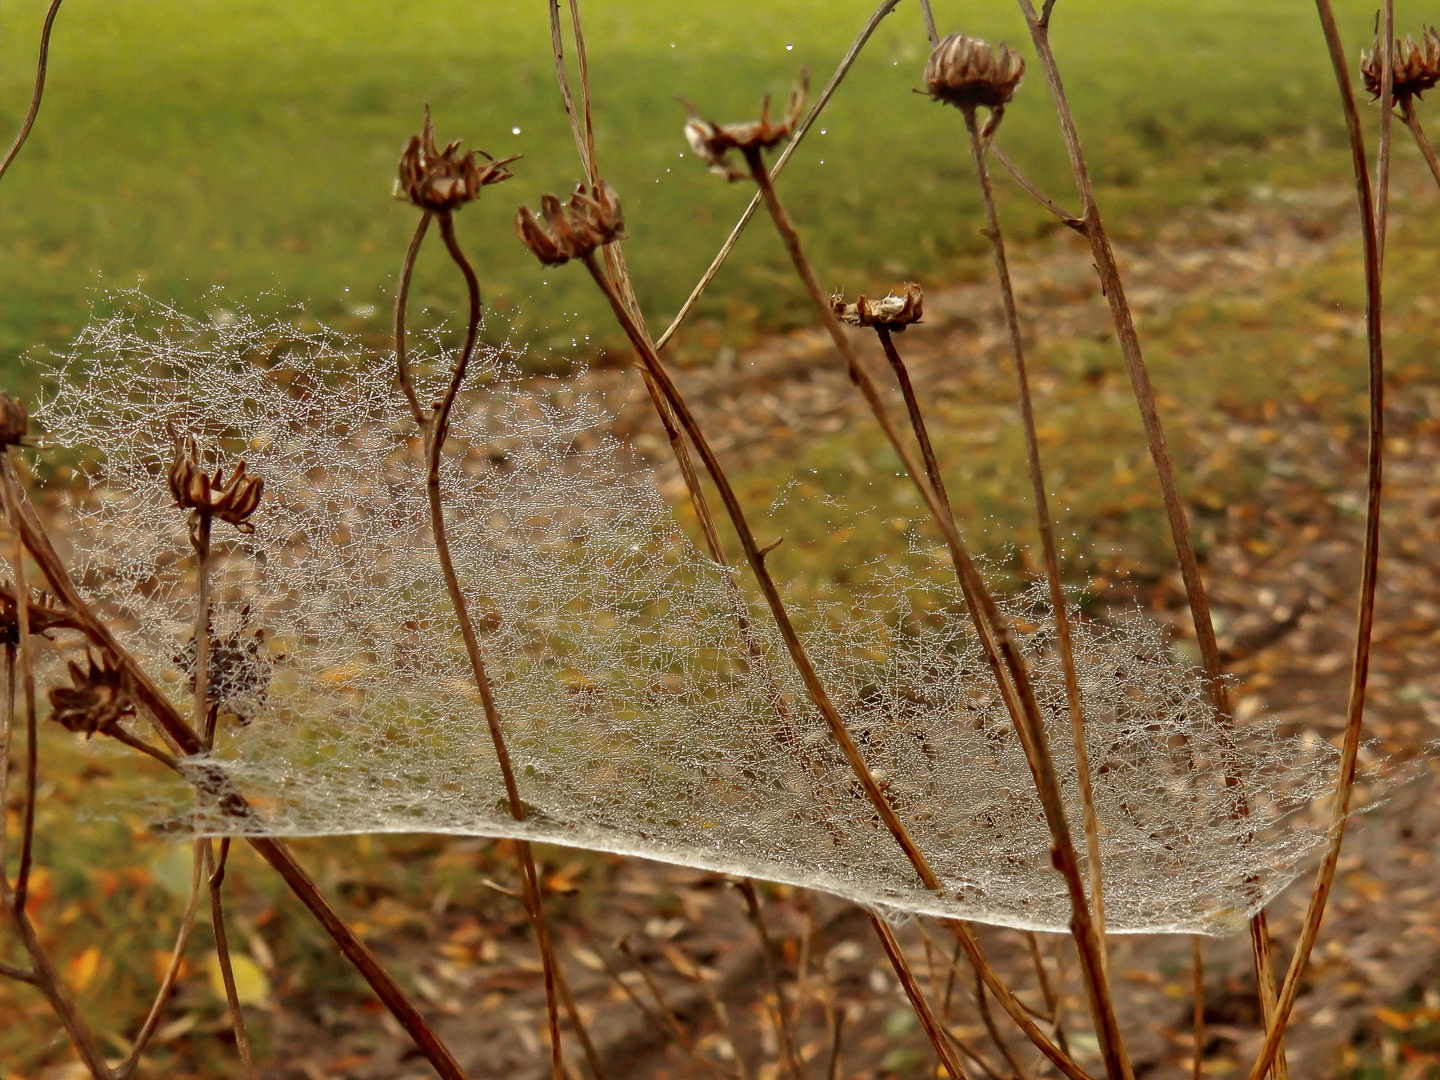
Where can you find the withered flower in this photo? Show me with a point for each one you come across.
(891, 311)
(967, 72)
(442, 180)
(591, 219)
(1416, 66)
(713, 142)
(238, 675)
(231, 501)
(97, 700)
(14, 421)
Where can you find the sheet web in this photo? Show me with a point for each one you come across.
(641, 720)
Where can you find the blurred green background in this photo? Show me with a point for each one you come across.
(251, 145)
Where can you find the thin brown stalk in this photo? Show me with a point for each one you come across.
(672, 1022)
(837, 1036)
(1386, 31)
(402, 297)
(177, 732)
(215, 874)
(767, 958)
(1047, 990)
(934, 1029)
(27, 681)
(577, 1024)
(41, 67)
(435, 441)
(755, 558)
(1043, 520)
(687, 968)
(1263, 952)
(1114, 290)
(1365, 615)
(982, 1004)
(204, 717)
(1197, 1020)
(1412, 121)
(7, 722)
(19, 974)
(988, 619)
(846, 62)
(1066, 218)
(929, 16)
(126, 1068)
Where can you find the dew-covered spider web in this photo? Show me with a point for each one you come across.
(640, 718)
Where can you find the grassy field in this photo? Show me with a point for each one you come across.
(251, 147)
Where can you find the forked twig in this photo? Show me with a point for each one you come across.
(1365, 616)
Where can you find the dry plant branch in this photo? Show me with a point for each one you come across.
(41, 68)
(1066, 218)
(1197, 1021)
(1386, 32)
(767, 960)
(846, 62)
(672, 1022)
(929, 16)
(1365, 615)
(215, 875)
(1047, 990)
(1412, 121)
(174, 729)
(982, 1005)
(934, 1029)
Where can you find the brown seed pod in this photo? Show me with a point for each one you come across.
(713, 142)
(443, 180)
(239, 671)
(231, 501)
(572, 230)
(14, 421)
(891, 311)
(97, 699)
(967, 72)
(1416, 66)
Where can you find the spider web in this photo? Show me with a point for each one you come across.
(641, 719)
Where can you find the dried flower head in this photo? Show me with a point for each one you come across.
(14, 421)
(967, 72)
(232, 500)
(1416, 66)
(44, 615)
(591, 219)
(97, 699)
(239, 671)
(713, 142)
(443, 180)
(891, 311)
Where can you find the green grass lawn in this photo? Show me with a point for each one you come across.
(251, 146)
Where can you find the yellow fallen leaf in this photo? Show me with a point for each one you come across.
(251, 985)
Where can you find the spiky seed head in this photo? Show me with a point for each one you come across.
(1416, 66)
(713, 142)
(14, 421)
(573, 230)
(97, 699)
(890, 311)
(444, 180)
(231, 501)
(967, 72)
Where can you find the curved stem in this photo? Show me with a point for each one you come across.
(41, 67)
(1365, 614)
(1412, 121)
(1046, 526)
(215, 873)
(402, 297)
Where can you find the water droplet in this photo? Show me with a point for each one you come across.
(822, 131)
(514, 131)
(789, 46)
(672, 44)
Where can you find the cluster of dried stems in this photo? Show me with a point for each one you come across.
(963, 72)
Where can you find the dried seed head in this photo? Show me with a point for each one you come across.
(891, 311)
(14, 421)
(231, 501)
(572, 230)
(443, 180)
(1416, 66)
(239, 672)
(967, 72)
(713, 142)
(97, 699)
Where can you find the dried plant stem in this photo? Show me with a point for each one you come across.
(438, 429)
(1386, 33)
(173, 727)
(1047, 990)
(846, 62)
(929, 17)
(767, 958)
(987, 618)
(402, 297)
(204, 716)
(7, 722)
(1034, 192)
(1197, 976)
(755, 558)
(1264, 955)
(41, 67)
(1365, 615)
(1042, 515)
(1412, 121)
(677, 1029)
(934, 1029)
(982, 1004)
(215, 875)
(837, 1036)
(172, 972)
(42, 973)
(577, 1024)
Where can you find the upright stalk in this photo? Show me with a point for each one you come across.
(934, 1029)
(200, 539)
(978, 146)
(987, 617)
